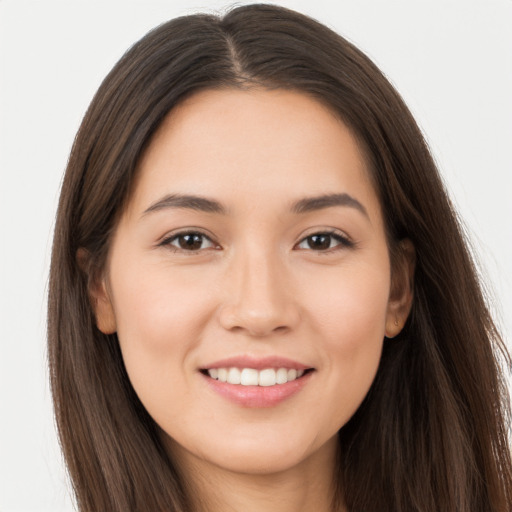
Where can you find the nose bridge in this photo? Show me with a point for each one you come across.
(259, 283)
(258, 299)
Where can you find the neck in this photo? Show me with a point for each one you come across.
(306, 487)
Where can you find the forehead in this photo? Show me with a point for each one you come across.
(244, 145)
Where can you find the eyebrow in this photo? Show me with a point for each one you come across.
(191, 202)
(203, 204)
(310, 204)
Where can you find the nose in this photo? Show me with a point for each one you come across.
(259, 297)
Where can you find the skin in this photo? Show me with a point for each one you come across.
(254, 287)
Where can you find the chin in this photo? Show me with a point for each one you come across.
(262, 453)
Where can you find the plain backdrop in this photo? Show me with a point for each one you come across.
(451, 61)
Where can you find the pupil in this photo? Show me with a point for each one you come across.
(190, 242)
(319, 241)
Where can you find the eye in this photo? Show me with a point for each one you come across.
(189, 241)
(324, 241)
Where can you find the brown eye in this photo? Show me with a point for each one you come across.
(189, 242)
(319, 242)
(324, 242)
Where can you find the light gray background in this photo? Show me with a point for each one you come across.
(451, 60)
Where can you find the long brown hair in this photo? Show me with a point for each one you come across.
(431, 435)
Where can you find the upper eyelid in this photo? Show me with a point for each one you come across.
(187, 231)
(167, 242)
(327, 231)
(343, 241)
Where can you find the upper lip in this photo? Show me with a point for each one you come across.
(257, 363)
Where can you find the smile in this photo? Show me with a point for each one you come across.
(256, 381)
(252, 377)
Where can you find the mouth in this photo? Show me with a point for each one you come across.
(257, 382)
(265, 377)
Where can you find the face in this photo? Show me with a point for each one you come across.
(249, 280)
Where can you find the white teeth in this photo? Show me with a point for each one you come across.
(234, 376)
(249, 377)
(252, 377)
(282, 376)
(267, 377)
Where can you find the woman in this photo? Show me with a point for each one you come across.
(260, 297)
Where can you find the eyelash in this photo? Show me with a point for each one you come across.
(343, 241)
(167, 242)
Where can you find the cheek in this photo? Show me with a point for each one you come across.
(157, 309)
(350, 315)
(351, 306)
(159, 324)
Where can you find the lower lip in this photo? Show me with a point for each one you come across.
(258, 396)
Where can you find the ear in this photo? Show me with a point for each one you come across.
(402, 288)
(98, 294)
